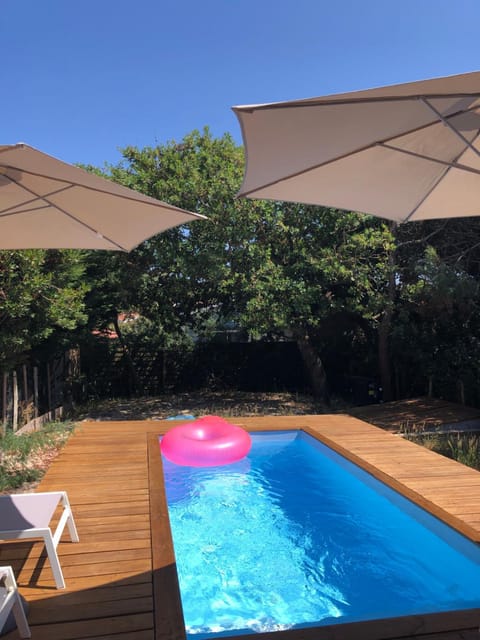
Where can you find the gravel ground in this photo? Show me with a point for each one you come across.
(222, 403)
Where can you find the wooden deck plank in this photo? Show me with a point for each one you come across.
(82, 629)
(46, 588)
(18, 550)
(95, 594)
(109, 573)
(100, 609)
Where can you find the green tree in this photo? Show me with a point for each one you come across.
(316, 268)
(182, 272)
(41, 300)
(435, 333)
(277, 269)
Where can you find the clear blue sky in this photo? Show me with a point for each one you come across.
(82, 79)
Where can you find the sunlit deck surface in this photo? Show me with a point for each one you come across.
(121, 578)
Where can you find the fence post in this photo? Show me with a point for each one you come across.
(35, 392)
(15, 401)
(26, 400)
(49, 388)
(4, 403)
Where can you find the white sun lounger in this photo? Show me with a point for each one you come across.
(28, 515)
(10, 602)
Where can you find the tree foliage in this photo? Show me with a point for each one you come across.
(41, 300)
(435, 335)
(275, 269)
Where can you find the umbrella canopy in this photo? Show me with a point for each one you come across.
(403, 152)
(48, 204)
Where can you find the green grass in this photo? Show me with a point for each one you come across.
(462, 447)
(466, 449)
(24, 458)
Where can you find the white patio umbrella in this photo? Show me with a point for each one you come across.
(402, 152)
(46, 203)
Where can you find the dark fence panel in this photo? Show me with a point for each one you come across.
(249, 366)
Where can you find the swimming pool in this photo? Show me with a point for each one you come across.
(306, 538)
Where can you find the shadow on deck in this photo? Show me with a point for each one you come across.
(427, 414)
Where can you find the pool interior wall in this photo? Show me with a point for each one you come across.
(383, 628)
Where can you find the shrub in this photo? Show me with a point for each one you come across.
(24, 458)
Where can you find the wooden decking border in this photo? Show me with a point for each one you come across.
(121, 577)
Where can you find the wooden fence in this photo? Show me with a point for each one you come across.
(34, 394)
(253, 366)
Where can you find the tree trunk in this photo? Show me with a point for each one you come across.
(164, 370)
(35, 393)
(384, 356)
(430, 387)
(15, 401)
(314, 366)
(137, 386)
(384, 330)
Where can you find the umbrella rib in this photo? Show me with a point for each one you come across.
(151, 201)
(8, 212)
(450, 125)
(15, 206)
(87, 226)
(348, 154)
(439, 179)
(422, 200)
(66, 213)
(450, 165)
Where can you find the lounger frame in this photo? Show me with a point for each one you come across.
(42, 507)
(10, 601)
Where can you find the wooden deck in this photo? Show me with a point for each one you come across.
(111, 572)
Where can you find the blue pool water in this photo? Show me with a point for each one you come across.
(295, 535)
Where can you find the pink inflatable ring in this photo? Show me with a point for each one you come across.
(207, 442)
